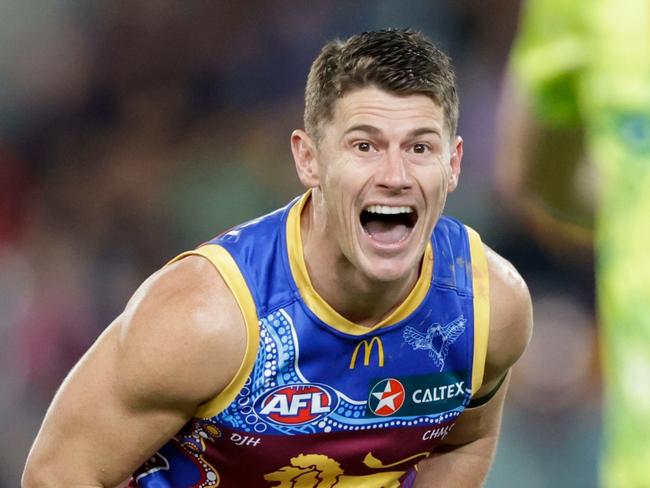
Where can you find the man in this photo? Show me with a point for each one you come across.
(334, 342)
(578, 87)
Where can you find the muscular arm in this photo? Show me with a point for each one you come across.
(464, 458)
(179, 342)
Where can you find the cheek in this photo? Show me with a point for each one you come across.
(342, 196)
(343, 180)
(434, 181)
(434, 190)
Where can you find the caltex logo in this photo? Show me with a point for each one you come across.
(386, 397)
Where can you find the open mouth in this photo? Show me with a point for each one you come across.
(388, 225)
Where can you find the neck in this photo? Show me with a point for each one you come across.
(348, 291)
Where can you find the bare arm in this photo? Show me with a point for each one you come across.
(138, 384)
(464, 458)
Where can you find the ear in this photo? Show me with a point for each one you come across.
(304, 155)
(456, 158)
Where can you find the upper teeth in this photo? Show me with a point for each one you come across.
(384, 209)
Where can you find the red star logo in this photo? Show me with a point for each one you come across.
(387, 397)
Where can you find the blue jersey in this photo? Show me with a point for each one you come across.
(321, 401)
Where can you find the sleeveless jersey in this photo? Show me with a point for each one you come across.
(320, 401)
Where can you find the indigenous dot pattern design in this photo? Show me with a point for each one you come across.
(192, 442)
(276, 365)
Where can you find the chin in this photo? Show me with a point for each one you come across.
(388, 271)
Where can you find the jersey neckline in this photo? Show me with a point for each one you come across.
(324, 310)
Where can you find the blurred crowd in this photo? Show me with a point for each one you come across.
(133, 130)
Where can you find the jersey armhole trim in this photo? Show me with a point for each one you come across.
(479, 402)
(481, 292)
(229, 271)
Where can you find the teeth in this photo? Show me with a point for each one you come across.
(386, 210)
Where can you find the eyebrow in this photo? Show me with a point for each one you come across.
(424, 130)
(370, 129)
(363, 128)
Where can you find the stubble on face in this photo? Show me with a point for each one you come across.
(380, 153)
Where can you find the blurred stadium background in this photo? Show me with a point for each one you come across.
(133, 130)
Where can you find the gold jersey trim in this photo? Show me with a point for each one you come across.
(481, 292)
(229, 271)
(320, 307)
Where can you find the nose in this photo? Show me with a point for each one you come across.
(392, 172)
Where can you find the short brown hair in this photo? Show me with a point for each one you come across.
(400, 61)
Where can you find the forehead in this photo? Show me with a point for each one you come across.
(387, 111)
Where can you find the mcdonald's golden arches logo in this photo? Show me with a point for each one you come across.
(367, 350)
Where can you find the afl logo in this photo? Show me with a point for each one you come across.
(297, 404)
(386, 397)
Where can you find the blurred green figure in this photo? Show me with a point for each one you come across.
(580, 74)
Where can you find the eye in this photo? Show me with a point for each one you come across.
(421, 148)
(363, 146)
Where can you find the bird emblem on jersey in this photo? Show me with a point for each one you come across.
(437, 339)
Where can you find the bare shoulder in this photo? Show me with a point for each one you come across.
(178, 343)
(182, 335)
(511, 319)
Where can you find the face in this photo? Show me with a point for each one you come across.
(380, 175)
